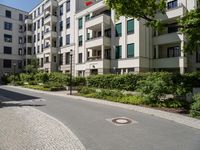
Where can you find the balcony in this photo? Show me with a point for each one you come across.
(96, 20)
(50, 34)
(28, 21)
(48, 49)
(50, 3)
(175, 12)
(167, 38)
(98, 64)
(29, 32)
(98, 41)
(173, 62)
(50, 18)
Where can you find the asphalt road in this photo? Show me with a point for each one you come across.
(90, 123)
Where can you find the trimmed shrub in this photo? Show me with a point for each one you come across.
(119, 82)
(195, 108)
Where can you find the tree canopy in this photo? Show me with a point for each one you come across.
(147, 9)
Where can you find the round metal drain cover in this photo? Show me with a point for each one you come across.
(121, 121)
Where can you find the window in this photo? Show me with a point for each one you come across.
(118, 52)
(61, 10)
(20, 51)
(20, 40)
(38, 11)
(42, 34)
(8, 26)
(20, 64)
(130, 26)
(42, 21)
(42, 62)
(80, 23)
(21, 17)
(68, 23)
(87, 17)
(34, 38)
(172, 4)
(130, 50)
(7, 50)
(118, 30)
(34, 14)
(46, 59)
(173, 51)
(198, 56)
(20, 29)
(80, 43)
(61, 41)
(29, 52)
(8, 14)
(68, 39)
(173, 28)
(61, 59)
(54, 59)
(67, 58)
(42, 48)
(38, 49)
(7, 38)
(38, 37)
(34, 26)
(7, 63)
(68, 5)
(61, 25)
(38, 24)
(80, 58)
(24, 51)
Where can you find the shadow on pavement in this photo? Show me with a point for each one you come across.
(14, 99)
(6, 95)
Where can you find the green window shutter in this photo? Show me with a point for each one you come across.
(118, 52)
(130, 50)
(87, 17)
(118, 30)
(130, 26)
(80, 23)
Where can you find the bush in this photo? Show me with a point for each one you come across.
(195, 108)
(155, 86)
(134, 100)
(41, 77)
(54, 86)
(119, 82)
(86, 90)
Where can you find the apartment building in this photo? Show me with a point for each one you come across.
(108, 45)
(99, 43)
(12, 40)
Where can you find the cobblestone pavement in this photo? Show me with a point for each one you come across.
(26, 128)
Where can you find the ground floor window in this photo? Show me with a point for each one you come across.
(198, 56)
(7, 63)
(173, 51)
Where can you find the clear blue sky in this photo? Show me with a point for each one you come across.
(25, 5)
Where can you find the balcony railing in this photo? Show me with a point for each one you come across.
(94, 58)
(97, 15)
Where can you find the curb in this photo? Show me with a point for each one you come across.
(184, 120)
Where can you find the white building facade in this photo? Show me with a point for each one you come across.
(98, 42)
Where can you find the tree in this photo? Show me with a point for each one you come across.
(147, 9)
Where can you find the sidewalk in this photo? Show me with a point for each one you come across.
(188, 121)
(26, 128)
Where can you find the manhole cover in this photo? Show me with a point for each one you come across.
(119, 121)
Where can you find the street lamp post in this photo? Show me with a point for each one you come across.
(14, 72)
(71, 71)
